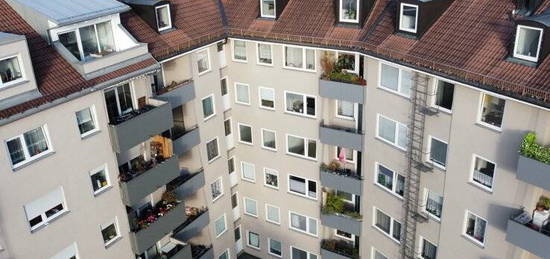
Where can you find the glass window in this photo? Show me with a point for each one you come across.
(245, 133)
(388, 225)
(223, 85)
(96, 40)
(224, 255)
(269, 139)
(393, 132)
(299, 58)
(302, 147)
(272, 214)
(44, 209)
(271, 178)
(70, 42)
(239, 50)
(349, 10)
(347, 154)
(212, 150)
(303, 223)
(163, 17)
(434, 203)
(85, 121)
(109, 233)
(378, 255)
(265, 54)
(444, 95)
(429, 250)
(208, 107)
(220, 226)
(396, 80)
(27, 146)
(475, 227)
(217, 189)
(119, 102)
(302, 186)
(254, 240)
(203, 61)
(267, 97)
(10, 70)
(250, 207)
(346, 196)
(492, 110)
(438, 152)
(268, 8)
(390, 180)
(275, 248)
(100, 179)
(528, 41)
(300, 104)
(301, 254)
(310, 59)
(227, 127)
(345, 109)
(242, 94)
(231, 165)
(344, 235)
(88, 38)
(408, 18)
(248, 171)
(484, 172)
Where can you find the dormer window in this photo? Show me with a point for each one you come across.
(408, 18)
(267, 8)
(528, 43)
(164, 20)
(10, 71)
(349, 11)
(89, 42)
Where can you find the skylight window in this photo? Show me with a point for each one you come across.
(164, 21)
(408, 18)
(528, 40)
(267, 8)
(349, 11)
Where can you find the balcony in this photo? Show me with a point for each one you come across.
(533, 172)
(202, 252)
(341, 137)
(184, 140)
(177, 94)
(338, 249)
(187, 183)
(135, 127)
(175, 250)
(161, 220)
(342, 91)
(525, 233)
(339, 214)
(154, 174)
(197, 219)
(341, 179)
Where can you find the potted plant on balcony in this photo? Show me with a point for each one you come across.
(529, 148)
(334, 70)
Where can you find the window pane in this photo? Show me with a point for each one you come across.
(408, 18)
(89, 42)
(273, 214)
(396, 230)
(383, 221)
(528, 42)
(312, 226)
(207, 107)
(267, 97)
(310, 103)
(297, 184)
(400, 188)
(69, 40)
(105, 35)
(109, 233)
(298, 221)
(99, 180)
(268, 8)
(493, 110)
(386, 129)
(163, 17)
(438, 152)
(216, 189)
(16, 151)
(36, 141)
(403, 139)
(231, 165)
(242, 94)
(239, 50)
(385, 177)
(389, 77)
(10, 70)
(264, 52)
(220, 225)
(275, 247)
(245, 133)
(271, 178)
(312, 189)
(125, 98)
(434, 204)
(225, 255)
(202, 61)
(298, 254)
(483, 172)
(444, 95)
(212, 149)
(311, 148)
(294, 102)
(223, 84)
(294, 57)
(378, 255)
(346, 109)
(250, 206)
(254, 239)
(269, 139)
(227, 127)
(407, 78)
(296, 145)
(310, 59)
(85, 120)
(349, 10)
(248, 171)
(429, 250)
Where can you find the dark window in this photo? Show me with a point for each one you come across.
(444, 95)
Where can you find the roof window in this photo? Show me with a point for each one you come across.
(528, 43)
(408, 18)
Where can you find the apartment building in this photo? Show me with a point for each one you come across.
(274, 129)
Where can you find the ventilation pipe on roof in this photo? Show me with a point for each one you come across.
(526, 7)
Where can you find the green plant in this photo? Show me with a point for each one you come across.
(545, 202)
(170, 197)
(334, 204)
(531, 149)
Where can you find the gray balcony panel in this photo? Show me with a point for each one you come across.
(341, 182)
(186, 142)
(142, 127)
(184, 253)
(341, 137)
(326, 254)
(144, 184)
(342, 222)
(209, 254)
(147, 237)
(180, 95)
(193, 228)
(528, 239)
(342, 91)
(533, 172)
(191, 185)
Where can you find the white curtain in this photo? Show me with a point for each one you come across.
(294, 57)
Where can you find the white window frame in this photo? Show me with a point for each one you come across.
(218, 147)
(237, 93)
(269, 247)
(262, 10)
(343, 117)
(473, 167)
(433, 102)
(396, 144)
(260, 98)
(273, 172)
(340, 11)
(242, 172)
(337, 155)
(374, 251)
(399, 80)
(224, 223)
(306, 148)
(208, 61)
(248, 240)
(169, 17)
(117, 228)
(308, 227)
(251, 133)
(304, 58)
(356, 61)
(47, 220)
(94, 120)
(309, 254)
(307, 187)
(213, 107)
(220, 179)
(226, 251)
(429, 153)
(265, 147)
(401, 18)
(233, 51)
(258, 61)
(465, 227)
(425, 202)
(421, 244)
(267, 214)
(528, 58)
(480, 112)
(105, 169)
(392, 223)
(393, 191)
(304, 101)
(343, 237)
(244, 207)
(28, 158)
(21, 67)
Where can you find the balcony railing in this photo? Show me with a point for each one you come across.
(197, 219)
(175, 250)
(184, 140)
(341, 136)
(337, 214)
(202, 251)
(177, 93)
(187, 183)
(341, 179)
(342, 91)
(338, 249)
(533, 172)
(532, 236)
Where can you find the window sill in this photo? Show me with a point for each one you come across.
(32, 160)
(434, 218)
(474, 241)
(205, 72)
(223, 232)
(391, 144)
(50, 221)
(301, 195)
(248, 180)
(442, 109)
(489, 127)
(299, 69)
(250, 215)
(269, 149)
(113, 241)
(267, 108)
(391, 91)
(209, 117)
(213, 159)
(300, 115)
(483, 188)
(265, 64)
(241, 103)
(240, 60)
(89, 134)
(13, 84)
(102, 190)
(271, 187)
(302, 157)
(387, 235)
(273, 222)
(303, 232)
(217, 198)
(390, 192)
(247, 143)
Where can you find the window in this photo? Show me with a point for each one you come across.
(393, 182)
(245, 134)
(302, 223)
(100, 179)
(28, 146)
(119, 102)
(387, 225)
(349, 10)
(253, 240)
(299, 58)
(231, 165)
(203, 61)
(250, 207)
(248, 171)
(348, 61)
(265, 54)
(396, 80)
(267, 8)
(242, 95)
(272, 214)
(345, 110)
(302, 186)
(303, 147)
(10, 71)
(85, 119)
(269, 139)
(89, 42)
(110, 232)
(271, 178)
(275, 247)
(220, 226)
(239, 51)
(346, 196)
(409, 17)
(438, 152)
(227, 127)
(377, 255)
(70, 252)
(434, 203)
(428, 250)
(208, 107)
(392, 132)
(217, 189)
(527, 45)
(224, 255)
(483, 173)
(212, 150)
(444, 95)
(267, 98)
(46, 208)
(344, 235)
(347, 153)
(492, 110)
(300, 104)
(296, 253)
(475, 228)
(164, 21)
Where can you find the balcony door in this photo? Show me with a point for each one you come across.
(225, 94)
(119, 102)
(229, 140)
(235, 206)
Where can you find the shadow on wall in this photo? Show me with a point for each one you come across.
(498, 215)
(508, 149)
